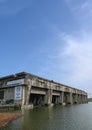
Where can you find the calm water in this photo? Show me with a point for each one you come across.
(75, 117)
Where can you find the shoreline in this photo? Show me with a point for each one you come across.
(7, 117)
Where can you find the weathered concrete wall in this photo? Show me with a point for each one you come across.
(9, 93)
(37, 91)
(56, 92)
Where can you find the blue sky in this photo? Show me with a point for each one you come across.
(49, 38)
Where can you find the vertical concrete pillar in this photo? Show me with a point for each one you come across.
(23, 95)
(28, 91)
(48, 97)
(71, 98)
(83, 100)
(60, 98)
(76, 98)
(61, 101)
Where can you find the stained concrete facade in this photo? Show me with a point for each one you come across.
(30, 90)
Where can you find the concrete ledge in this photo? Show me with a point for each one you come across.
(27, 106)
(10, 107)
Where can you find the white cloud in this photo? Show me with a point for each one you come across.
(72, 63)
(79, 52)
(75, 59)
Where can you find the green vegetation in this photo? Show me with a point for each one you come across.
(89, 99)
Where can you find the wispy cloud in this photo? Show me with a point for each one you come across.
(72, 63)
(79, 52)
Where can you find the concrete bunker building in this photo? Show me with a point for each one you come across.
(30, 90)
